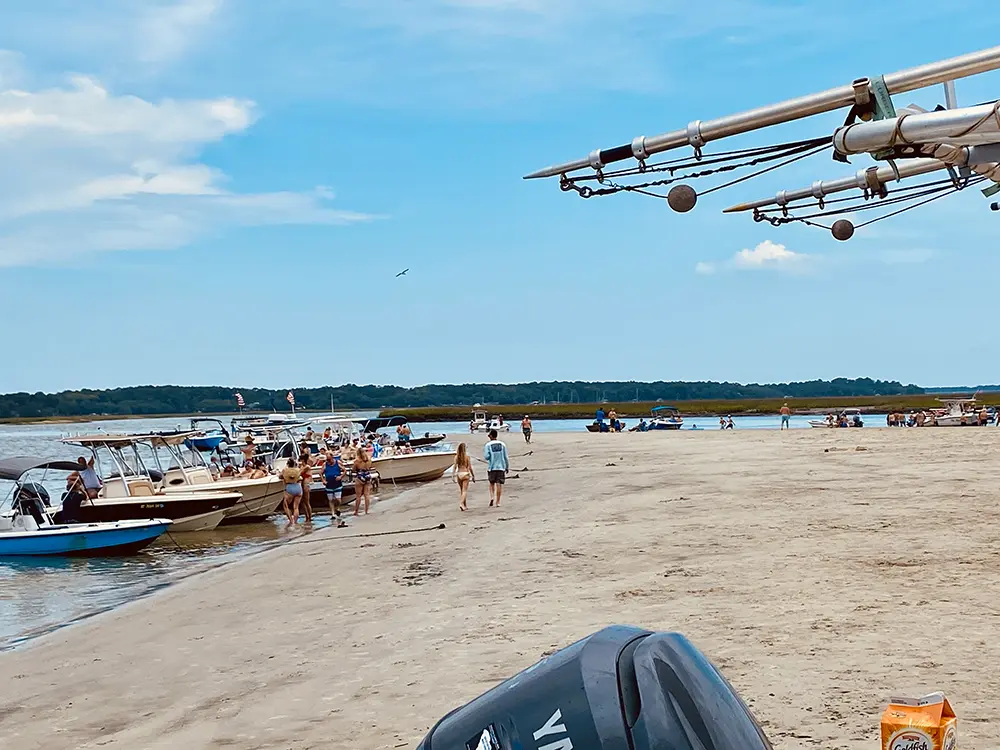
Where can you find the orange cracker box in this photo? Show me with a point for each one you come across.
(926, 723)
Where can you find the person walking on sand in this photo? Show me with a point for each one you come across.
(498, 464)
(362, 480)
(291, 477)
(463, 473)
(786, 418)
(526, 428)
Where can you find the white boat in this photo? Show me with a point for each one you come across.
(665, 418)
(130, 490)
(414, 467)
(187, 471)
(853, 420)
(481, 423)
(958, 412)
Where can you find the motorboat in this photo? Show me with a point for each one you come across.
(482, 423)
(665, 418)
(132, 491)
(208, 440)
(187, 471)
(957, 412)
(420, 466)
(28, 529)
(852, 417)
(372, 426)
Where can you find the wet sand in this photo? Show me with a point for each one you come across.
(820, 582)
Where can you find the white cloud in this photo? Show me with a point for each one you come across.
(766, 255)
(87, 170)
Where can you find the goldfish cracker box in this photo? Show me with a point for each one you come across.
(926, 723)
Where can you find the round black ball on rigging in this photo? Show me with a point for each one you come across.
(842, 230)
(682, 198)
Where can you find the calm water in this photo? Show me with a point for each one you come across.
(39, 596)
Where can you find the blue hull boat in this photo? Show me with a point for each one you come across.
(80, 539)
(206, 443)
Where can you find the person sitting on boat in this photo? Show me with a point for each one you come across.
(88, 475)
(310, 435)
(403, 433)
(72, 499)
(213, 467)
(327, 435)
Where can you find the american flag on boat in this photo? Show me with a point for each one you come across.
(290, 398)
(239, 400)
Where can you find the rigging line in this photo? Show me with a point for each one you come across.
(771, 168)
(875, 204)
(907, 208)
(722, 156)
(894, 193)
(614, 187)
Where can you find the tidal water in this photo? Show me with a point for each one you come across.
(37, 596)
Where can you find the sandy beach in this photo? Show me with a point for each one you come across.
(820, 578)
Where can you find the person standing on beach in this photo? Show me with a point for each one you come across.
(526, 428)
(786, 418)
(291, 476)
(305, 465)
(463, 473)
(498, 464)
(334, 483)
(362, 480)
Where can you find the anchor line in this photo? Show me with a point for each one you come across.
(786, 152)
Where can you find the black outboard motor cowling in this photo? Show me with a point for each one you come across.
(621, 688)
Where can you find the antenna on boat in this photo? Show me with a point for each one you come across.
(964, 141)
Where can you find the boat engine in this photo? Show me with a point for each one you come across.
(621, 688)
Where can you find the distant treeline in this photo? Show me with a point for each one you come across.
(169, 399)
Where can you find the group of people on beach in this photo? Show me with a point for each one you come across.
(497, 467)
(297, 477)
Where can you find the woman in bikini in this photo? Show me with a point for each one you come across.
(305, 466)
(291, 476)
(463, 474)
(362, 480)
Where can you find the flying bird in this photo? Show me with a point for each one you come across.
(402, 273)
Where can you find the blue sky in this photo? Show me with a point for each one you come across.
(222, 191)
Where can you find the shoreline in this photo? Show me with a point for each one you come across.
(819, 578)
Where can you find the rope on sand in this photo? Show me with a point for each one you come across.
(370, 534)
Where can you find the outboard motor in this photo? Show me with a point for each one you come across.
(31, 499)
(621, 688)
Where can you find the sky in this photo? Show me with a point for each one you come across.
(201, 192)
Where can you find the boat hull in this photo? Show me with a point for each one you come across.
(80, 540)
(189, 513)
(414, 467)
(665, 426)
(260, 497)
(424, 442)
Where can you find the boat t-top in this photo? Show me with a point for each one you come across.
(27, 528)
